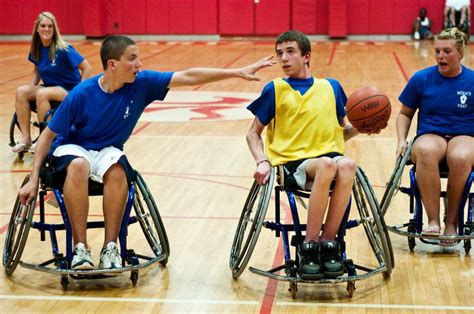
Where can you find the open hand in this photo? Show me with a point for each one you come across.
(249, 72)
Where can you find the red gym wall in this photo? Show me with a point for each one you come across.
(335, 18)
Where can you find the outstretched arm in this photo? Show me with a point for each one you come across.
(255, 143)
(197, 76)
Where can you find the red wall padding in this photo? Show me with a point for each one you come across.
(226, 17)
(272, 17)
(338, 18)
(158, 17)
(236, 17)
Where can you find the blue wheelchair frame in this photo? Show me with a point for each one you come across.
(414, 226)
(147, 216)
(377, 232)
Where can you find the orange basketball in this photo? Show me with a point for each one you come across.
(368, 109)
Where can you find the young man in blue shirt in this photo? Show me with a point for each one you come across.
(92, 125)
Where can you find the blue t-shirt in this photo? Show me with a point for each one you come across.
(264, 106)
(62, 71)
(94, 119)
(445, 104)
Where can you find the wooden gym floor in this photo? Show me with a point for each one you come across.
(192, 153)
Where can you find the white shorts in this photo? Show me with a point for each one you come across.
(99, 161)
(300, 174)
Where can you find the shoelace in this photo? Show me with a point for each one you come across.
(112, 253)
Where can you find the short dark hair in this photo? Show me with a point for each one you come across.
(114, 47)
(299, 37)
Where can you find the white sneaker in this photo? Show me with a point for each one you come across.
(416, 35)
(110, 257)
(82, 258)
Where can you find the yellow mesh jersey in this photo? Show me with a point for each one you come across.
(304, 126)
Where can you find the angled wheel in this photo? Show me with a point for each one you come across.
(395, 179)
(250, 224)
(17, 234)
(150, 220)
(373, 221)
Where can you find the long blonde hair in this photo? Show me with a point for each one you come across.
(57, 43)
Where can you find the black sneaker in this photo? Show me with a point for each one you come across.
(331, 259)
(309, 267)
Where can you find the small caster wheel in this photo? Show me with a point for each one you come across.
(350, 288)
(411, 244)
(64, 282)
(134, 277)
(293, 289)
(467, 246)
(165, 261)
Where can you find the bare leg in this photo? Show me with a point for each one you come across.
(76, 198)
(339, 199)
(428, 150)
(463, 15)
(452, 16)
(43, 98)
(323, 170)
(115, 198)
(24, 94)
(460, 159)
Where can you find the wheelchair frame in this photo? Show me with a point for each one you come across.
(252, 219)
(466, 27)
(415, 225)
(146, 214)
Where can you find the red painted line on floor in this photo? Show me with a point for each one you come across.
(141, 128)
(15, 79)
(4, 228)
(269, 297)
(333, 52)
(400, 66)
(159, 52)
(15, 171)
(225, 67)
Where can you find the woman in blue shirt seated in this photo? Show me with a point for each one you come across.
(444, 97)
(58, 68)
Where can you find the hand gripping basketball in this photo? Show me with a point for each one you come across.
(368, 110)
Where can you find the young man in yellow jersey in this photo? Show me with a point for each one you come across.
(306, 130)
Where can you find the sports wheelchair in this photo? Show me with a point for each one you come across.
(252, 219)
(413, 228)
(38, 126)
(464, 27)
(146, 214)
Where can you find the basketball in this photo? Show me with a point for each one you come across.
(368, 109)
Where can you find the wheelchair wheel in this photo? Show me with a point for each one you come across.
(250, 224)
(150, 220)
(17, 234)
(373, 221)
(395, 179)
